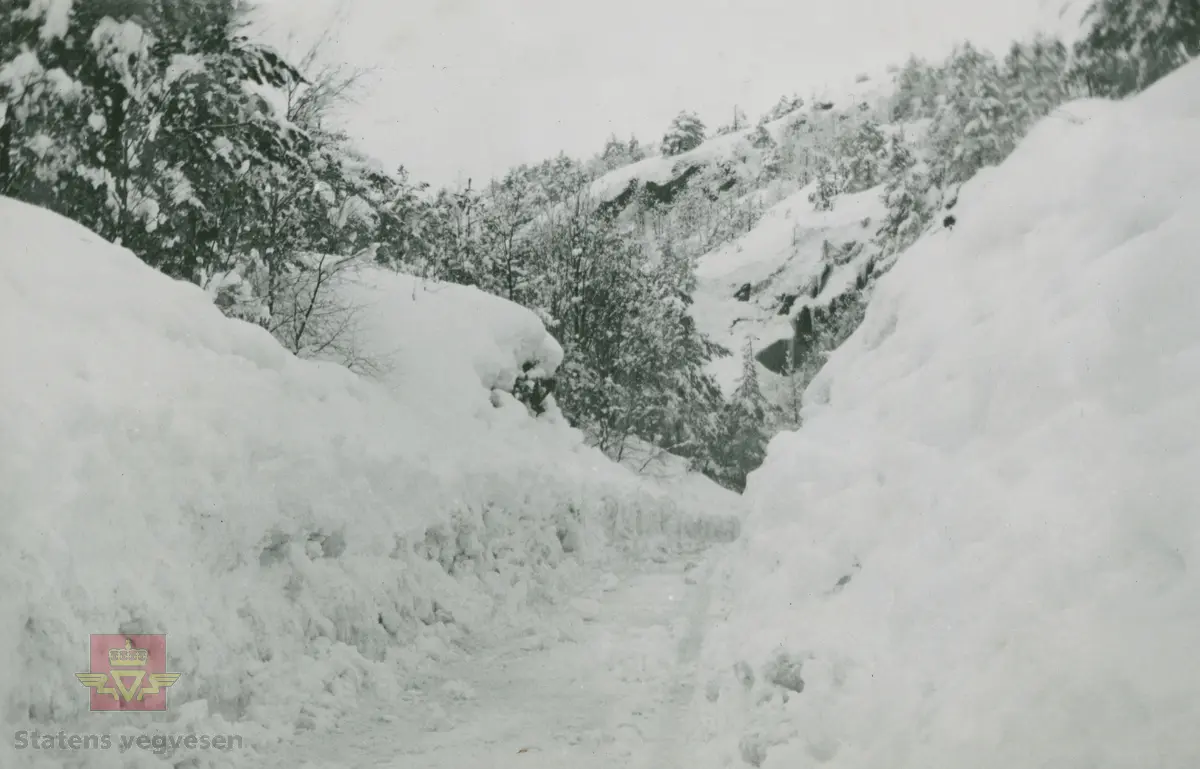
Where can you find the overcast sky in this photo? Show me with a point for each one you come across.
(472, 87)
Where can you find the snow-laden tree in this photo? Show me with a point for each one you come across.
(970, 128)
(161, 126)
(635, 360)
(141, 120)
(916, 91)
(785, 106)
(617, 153)
(743, 429)
(760, 138)
(905, 194)
(634, 367)
(1130, 44)
(828, 184)
(788, 395)
(860, 155)
(1036, 76)
(685, 133)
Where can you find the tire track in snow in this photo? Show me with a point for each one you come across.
(672, 732)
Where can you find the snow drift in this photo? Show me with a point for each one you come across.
(981, 548)
(301, 534)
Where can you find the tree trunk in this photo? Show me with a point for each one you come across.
(6, 137)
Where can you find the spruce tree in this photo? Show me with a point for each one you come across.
(792, 395)
(861, 155)
(685, 133)
(744, 432)
(1037, 80)
(905, 196)
(1130, 44)
(969, 130)
(915, 93)
(828, 185)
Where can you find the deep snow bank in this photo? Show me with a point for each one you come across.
(452, 343)
(300, 534)
(981, 549)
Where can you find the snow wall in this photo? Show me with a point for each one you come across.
(302, 535)
(982, 548)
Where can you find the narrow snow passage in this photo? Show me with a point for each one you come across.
(612, 693)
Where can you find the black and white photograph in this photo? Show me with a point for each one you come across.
(580, 384)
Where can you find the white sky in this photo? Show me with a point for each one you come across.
(472, 87)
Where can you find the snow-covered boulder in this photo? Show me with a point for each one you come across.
(468, 342)
(981, 548)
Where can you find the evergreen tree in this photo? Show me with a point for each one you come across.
(970, 129)
(618, 153)
(1036, 79)
(760, 138)
(615, 153)
(135, 118)
(636, 151)
(686, 133)
(1130, 44)
(791, 394)
(905, 196)
(772, 163)
(744, 435)
(915, 96)
(860, 157)
(785, 106)
(828, 187)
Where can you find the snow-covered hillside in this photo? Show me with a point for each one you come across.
(300, 533)
(980, 548)
(864, 94)
(755, 286)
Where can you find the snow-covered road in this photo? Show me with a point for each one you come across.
(612, 693)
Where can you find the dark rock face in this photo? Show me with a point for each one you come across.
(865, 276)
(613, 208)
(664, 194)
(949, 222)
(653, 194)
(804, 323)
(773, 357)
(821, 282)
(743, 293)
(785, 303)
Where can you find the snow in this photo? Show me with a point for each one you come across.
(304, 536)
(19, 73)
(55, 15)
(607, 689)
(733, 146)
(782, 255)
(481, 343)
(980, 547)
